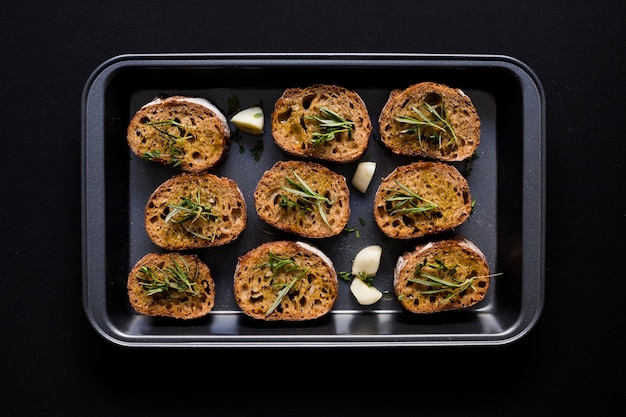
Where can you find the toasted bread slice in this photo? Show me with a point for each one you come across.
(442, 275)
(421, 198)
(285, 280)
(188, 133)
(171, 285)
(195, 210)
(304, 198)
(430, 120)
(323, 122)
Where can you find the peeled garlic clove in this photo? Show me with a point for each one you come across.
(364, 294)
(250, 120)
(363, 175)
(367, 261)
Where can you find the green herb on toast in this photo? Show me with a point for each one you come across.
(330, 124)
(306, 198)
(430, 125)
(173, 277)
(190, 210)
(442, 278)
(173, 137)
(406, 201)
(288, 266)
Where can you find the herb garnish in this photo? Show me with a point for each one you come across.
(307, 198)
(175, 152)
(356, 231)
(331, 123)
(289, 266)
(445, 281)
(174, 277)
(406, 201)
(189, 211)
(257, 151)
(429, 128)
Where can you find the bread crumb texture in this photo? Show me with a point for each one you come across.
(294, 123)
(430, 120)
(195, 210)
(307, 276)
(171, 285)
(444, 275)
(179, 133)
(421, 198)
(323, 215)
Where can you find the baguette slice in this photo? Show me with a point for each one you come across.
(421, 198)
(188, 133)
(191, 293)
(195, 210)
(457, 132)
(279, 202)
(294, 126)
(285, 281)
(457, 261)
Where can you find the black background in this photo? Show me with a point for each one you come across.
(54, 364)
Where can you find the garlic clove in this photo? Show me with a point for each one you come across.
(363, 175)
(367, 261)
(364, 294)
(250, 120)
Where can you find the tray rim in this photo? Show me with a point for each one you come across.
(532, 212)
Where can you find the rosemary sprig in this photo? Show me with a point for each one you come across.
(306, 197)
(445, 281)
(434, 127)
(172, 140)
(330, 124)
(175, 277)
(189, 211)
(288, 266)
(406, 201)
(275, 262)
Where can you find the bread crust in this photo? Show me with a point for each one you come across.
(434, 182)
(171, 302)
(459, 112)
(301, 218)
(222, 220)
(293, 127)
(181, 132)
(456, 260)
(257, 285)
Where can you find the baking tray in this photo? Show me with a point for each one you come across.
(506, 179)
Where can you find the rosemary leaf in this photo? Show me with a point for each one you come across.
(330, 124)
(308, 197)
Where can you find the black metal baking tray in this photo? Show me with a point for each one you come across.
(507, 179)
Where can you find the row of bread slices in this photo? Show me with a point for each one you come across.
(295, 281)
(323, 122)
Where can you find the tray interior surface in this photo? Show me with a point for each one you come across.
(505, 179)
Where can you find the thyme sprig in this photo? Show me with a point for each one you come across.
(174, 152)
(445, 280)
(307, 198)
(189, 211)
(276, 263)
(330, 124)
(175, 277)
(434, 127)
(406, 201)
